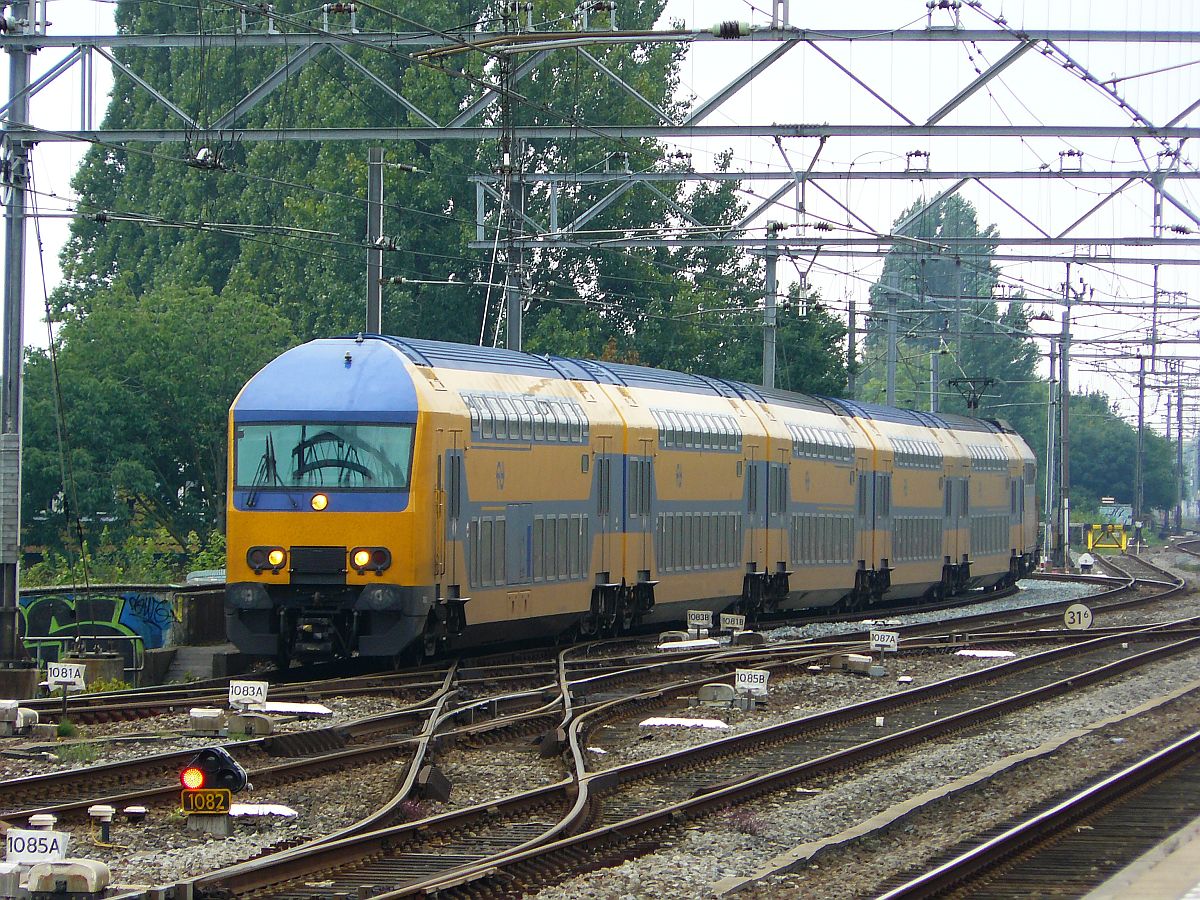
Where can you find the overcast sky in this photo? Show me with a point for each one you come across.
(916, 79)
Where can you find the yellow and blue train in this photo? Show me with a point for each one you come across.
(390, 496)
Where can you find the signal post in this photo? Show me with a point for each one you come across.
(209, 782)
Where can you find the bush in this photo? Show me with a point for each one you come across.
(67, 729)
(101, 685)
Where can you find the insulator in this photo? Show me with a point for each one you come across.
(730, 30)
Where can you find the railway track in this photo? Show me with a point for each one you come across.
(1074, 845)
(596, 813)
(554, 700)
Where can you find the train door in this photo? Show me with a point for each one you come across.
(777, 510)
(519, 550)
(608, 513)
(449, 514)
(755, 510)
(882, 516)
(954, 494)
(639, 509)
(865, 544)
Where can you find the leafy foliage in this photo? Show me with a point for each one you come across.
(944, 304)
(195, 263)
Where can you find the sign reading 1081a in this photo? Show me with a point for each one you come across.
(69, 675)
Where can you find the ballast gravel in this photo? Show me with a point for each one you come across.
(119, 741)
(161, 851)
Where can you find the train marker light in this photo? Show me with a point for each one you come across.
(374, 558)
(319, 501)
(259, 558)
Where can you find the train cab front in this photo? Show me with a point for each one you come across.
(319, 518)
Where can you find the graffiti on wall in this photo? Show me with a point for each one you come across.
(125, 622)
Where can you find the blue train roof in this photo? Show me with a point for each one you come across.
(317, 379)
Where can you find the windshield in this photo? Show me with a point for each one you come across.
(322, 454)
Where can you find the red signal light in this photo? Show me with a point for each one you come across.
(192, 778)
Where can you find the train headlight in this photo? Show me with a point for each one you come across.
(260, 558)
(319, 501)
(374, 558)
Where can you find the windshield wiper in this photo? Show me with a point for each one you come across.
(267, 474)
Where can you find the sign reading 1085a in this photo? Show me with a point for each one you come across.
(29, 846)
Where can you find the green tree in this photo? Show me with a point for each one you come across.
(268, 236)
(146, 384)
(1103, 450)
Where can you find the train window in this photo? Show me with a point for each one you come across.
(474, 411)
(862, 496)
(539, 535)
(966, 498)
(493, 418)
(575, 417)
(573, 547)
(561, 547)
(453, 486)
(528, 411)
(537, 414)
(500, 553)
(558, 430)
(948, 487)
(677, 548)
(512, 427)
(884, 499)
(634, 488)
(473, 551)
(485, 551)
